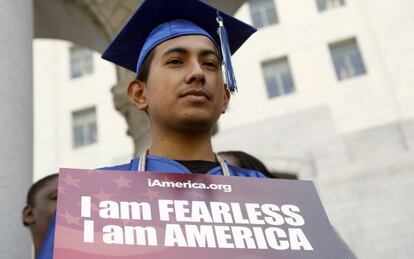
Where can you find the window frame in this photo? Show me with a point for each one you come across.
(344, 51)
(267, 12)
(325, 5)
(278, 67)
(81, 62)
(85, 122)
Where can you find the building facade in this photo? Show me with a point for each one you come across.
(325, 92)
(76, 123)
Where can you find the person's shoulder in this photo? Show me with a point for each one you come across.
(123, 167)
(237, 171)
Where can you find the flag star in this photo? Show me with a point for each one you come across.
(123, 182)
(71, 181)
(61, 190)
(150, 194)
(70, 219)
(103, 195)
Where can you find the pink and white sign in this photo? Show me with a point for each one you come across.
(114, 214)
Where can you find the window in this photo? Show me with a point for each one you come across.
(347, 59)
(278, 77)
(263, 13)
(81, 62)
(84, 127)
(323, 5)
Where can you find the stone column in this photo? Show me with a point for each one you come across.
(138, 122)
(16, 124)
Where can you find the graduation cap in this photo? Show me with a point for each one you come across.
(157, 21)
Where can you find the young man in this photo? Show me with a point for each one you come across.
(40, 208)
(177, 48)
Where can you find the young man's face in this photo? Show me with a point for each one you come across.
(185, 88)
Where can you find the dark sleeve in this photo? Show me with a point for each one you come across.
(237, 171)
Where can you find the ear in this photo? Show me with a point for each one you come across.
(27, 215)
(226, 99)
(136, 93)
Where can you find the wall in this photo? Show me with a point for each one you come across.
(57, 96)
(354, 138)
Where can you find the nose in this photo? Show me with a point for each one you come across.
(196, 74)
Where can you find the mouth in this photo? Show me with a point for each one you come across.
(196, 94)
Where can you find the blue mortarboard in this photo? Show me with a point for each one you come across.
(157, 21)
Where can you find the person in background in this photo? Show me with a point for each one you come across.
(244, 160)
(40, 208)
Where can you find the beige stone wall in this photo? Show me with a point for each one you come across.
(354, 138)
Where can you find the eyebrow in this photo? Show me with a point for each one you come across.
(181, 50)
(177, 49)
(207, 52)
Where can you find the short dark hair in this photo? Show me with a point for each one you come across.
(36, 187)
(249, 162)
(145, 67)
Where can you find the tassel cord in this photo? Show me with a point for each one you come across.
(225, 50)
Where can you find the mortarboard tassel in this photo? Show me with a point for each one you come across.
(225, 50)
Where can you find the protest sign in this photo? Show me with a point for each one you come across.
(114, 214)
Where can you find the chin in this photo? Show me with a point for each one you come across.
(197, 124)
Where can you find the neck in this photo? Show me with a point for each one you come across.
(179, 146)
(37, 242)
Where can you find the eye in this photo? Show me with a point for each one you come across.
(174, 61)
(211, 63)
